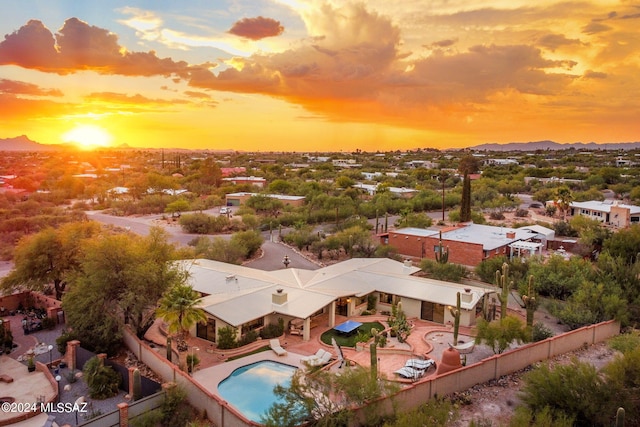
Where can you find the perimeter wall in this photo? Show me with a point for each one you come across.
(223, 415)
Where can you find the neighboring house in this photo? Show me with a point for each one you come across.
(553, 179)
(248, 299)
(421, 164)
(608, 212)
(467, 244)
(233, 171)
(238, 199)
(500, 162)
(251, 180)
(345, 163)
(372, 189)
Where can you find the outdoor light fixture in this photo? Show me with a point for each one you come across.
(50, 359)
(58, 378)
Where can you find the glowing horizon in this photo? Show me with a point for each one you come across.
(321, 75)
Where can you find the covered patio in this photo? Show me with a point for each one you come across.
(522, 249)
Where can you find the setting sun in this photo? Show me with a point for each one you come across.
(88, 137)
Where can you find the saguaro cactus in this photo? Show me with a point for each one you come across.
(455, 312)
(169, 350)
(502, 281)
(373, 350)
(530, 303)
(137, 385)
(442, 256)
(620, 417)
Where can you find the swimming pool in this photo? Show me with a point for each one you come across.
(250, 388)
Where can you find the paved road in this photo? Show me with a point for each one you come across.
(142, 225)
(273, 253)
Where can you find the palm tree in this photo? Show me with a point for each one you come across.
(178, 307)
(563, 200)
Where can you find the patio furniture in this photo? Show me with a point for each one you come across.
(466, 347)
(277, 348)
(347, 327)
(420, 364)
(409, 373)
(321, 358)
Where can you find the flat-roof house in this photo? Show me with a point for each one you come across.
(238, 199)
(610, 213)
(467, 244)
(372, 189)
(248, 299)
(251, 180)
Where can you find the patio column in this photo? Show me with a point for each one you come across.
(306, 330)
(332, 314)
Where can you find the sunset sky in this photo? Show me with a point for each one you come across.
(299, 75)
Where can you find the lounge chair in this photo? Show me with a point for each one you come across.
(277, 348)
(321, 358)
(410, 373)
(420, 364)
(313, 357)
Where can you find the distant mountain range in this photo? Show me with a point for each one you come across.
(23, 143)
(550, 145)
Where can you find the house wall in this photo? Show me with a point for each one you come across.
(459, 252)
(620, 216)
(411, 307)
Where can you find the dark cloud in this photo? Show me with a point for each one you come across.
(194, 94)
(554, 41)
(32, 46)
(594, 28)
(589, 74)
(631, 16)
(257, 28)
(442, 43)
(79, 46)
(22, 88)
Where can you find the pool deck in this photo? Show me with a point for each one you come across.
(427, 341)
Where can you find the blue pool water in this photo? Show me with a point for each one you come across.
(250, 388)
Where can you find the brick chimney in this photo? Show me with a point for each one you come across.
(279, 297)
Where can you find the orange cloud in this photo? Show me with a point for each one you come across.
(353, 68)
(23, 88)
(257, 28)
(79, 46)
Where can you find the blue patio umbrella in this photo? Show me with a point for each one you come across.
(348, 326)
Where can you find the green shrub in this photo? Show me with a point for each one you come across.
(625, 343)
(173, 407)
(575, 391)
(227, 338)
(102, 380)
(65, 336)
(148, 419)
(449, 272)
(272, 330)
(192, 362)
(48, 323)
(248, 338)
(540, 332)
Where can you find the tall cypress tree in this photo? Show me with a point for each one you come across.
(468, 165)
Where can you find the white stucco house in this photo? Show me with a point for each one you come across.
(249, 299)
